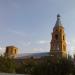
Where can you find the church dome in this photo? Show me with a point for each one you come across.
(58, 21)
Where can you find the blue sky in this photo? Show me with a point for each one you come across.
(27, 24)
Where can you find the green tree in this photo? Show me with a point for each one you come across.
(7, 65)
(60, 67)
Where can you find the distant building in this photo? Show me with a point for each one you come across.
(11, 51)
(58, 41)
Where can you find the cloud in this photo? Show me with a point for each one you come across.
(38, 50)
(27, 44)
(24, 43)
(42, 42)
(21, 33)
(18, 33)
(71, 46)
(2, 50)
(35, 49)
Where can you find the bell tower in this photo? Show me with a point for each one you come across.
(58, 41)
(11, 51)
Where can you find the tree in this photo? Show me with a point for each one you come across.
(60, 67)
(7, 65)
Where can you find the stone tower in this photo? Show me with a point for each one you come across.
(11, 51)
(58, 42)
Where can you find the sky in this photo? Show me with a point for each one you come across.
(27, 24)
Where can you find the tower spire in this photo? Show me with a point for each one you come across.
(58, 22)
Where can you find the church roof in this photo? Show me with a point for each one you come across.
(34, 55)
(58, 22)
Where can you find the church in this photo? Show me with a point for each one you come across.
(58, 46)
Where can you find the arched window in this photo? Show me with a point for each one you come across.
(56, 37)
(60, 30)
(63, 37)
(15, 51)
(64, 47)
